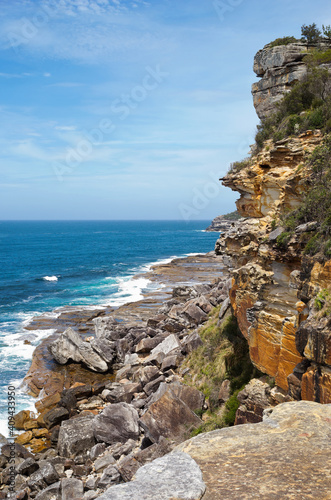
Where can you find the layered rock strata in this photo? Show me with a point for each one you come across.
(279, 68)
(273, 290)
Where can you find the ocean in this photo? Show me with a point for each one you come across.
(48, 265)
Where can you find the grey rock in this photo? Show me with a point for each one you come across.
(52, 492)
(168, 344)
(103, 461)
(28, 467)
(90, 495)
(120, 449)
(275, 233)
(91, 482)
(69, 345)
(76, 436)
(148, 374)
(45, 475)
(191, 342)
(117, 423)
(224, 307)
(194, 313)
(97, 450)
(110, 476)
(153, 385)
(174, 476)
(105, 349)
(279, 68)
(55, 416)
(305, 228)
(72, 489)
(169, 417)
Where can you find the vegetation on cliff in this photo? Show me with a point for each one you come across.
(315, 206)
(224, 355)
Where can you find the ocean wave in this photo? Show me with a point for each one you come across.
(50, 278)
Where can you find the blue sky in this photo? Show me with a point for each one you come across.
(120, 109)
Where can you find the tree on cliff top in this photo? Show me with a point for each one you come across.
(310, 34)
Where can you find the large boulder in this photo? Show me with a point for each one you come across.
(69, 345)
(76, 436)
(117, 423)
(169, 417)
(285, 456)
(174, 476)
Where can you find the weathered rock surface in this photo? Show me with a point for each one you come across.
(220, 224)
(285, 456)
(174, 476)
(117, 423)
(272, 290)
(169, 417)
(279, 68)
(70, 346)
(76, 436)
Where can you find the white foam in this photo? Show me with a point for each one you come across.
(50, 278)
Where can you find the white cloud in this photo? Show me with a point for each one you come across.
(65, 127)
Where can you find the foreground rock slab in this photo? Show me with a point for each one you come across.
(285, 456)
(174, 476)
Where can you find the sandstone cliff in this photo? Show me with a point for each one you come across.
(274, 288)
(279, 68)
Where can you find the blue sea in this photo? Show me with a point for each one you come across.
(47, 265)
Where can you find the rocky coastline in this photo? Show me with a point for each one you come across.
(238, 336)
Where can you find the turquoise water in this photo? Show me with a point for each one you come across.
(47, 265)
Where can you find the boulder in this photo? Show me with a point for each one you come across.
(153, 385)
(191, 342)
(45, 475)
(103, 461)
(254, 399)
(21, 418)
(170, 417)
(28, 467)
(55, 416)
(72, 489)
(110, 476)
(285, 456)
(174, 476)
(52, 492)
(69, 345)
(169, 343)
(117, 422)
(97, 450)
(147, 344)
(149, 373)
(76, 436)
(194, 313)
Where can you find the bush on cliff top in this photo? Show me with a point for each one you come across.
(306, 106)
(285, 40)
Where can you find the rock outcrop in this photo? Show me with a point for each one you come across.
(285, 456)
(279, 68)
(273, 289)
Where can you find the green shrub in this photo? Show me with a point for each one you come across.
(236, 166)
(285, 40)
(283, 239)
(232, 406)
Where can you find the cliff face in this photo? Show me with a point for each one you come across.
(279, 68)
(273, 290)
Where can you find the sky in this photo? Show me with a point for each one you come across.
(131, 109)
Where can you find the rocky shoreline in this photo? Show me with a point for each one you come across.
(123, 402)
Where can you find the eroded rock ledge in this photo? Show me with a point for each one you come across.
(285, 456)
(273, 290)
